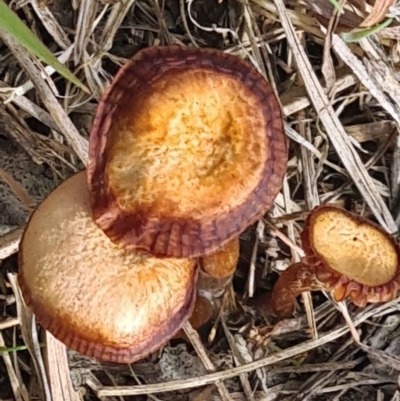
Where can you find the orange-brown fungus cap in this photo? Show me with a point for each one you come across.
(349, 256)
(99, 299)
(359, 260)
(186, 151)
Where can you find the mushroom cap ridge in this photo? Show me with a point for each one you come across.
(98, 299)
(167, 109)
(360, 285)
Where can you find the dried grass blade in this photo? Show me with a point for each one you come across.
(239, 360)
(18, 190)
(9, 243)
(334, 128)
(10, 22)
(380, 80)
(29, 334)
(51, 24)
(57, 367)
(20, 135)
(293, 103)
(19, 390)
(108, 391)
(201, 352)
(84, 26)
(78, 143)
(378, 12)
(114, 21)
(373, 80)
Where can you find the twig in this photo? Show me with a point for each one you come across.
(229, 373)
(30, 336)
(9, 243)
(78, 143)
(194, 338)
(19, 389)
(340, 140)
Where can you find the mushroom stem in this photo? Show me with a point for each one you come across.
(202, 313)
(296, 279)
(217, 270)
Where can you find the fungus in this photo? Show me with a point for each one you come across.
(215, 273)
(347, 255)
(94, 296)
(217, 269)
(187, 150)
(202, 313)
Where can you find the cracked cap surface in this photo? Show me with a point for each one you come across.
(186, 151)
(97, 298)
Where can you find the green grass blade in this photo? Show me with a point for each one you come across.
(17, 348)
(357, 35)
(11, 23)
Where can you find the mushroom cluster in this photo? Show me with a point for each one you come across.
(346, 255)
(186, 151)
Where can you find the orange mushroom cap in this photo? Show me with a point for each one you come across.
(96, 297)
(346, 254)
(186, 151)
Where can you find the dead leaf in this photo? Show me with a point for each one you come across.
(204, 394)
(380, 9)
(328, 67)
(18, 190)
(323, 10)
(392, 32)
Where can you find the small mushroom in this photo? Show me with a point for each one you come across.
(202, 313)
(347, 255)
(187, 150)
(97, 298)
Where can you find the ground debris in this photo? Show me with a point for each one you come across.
(343, 148)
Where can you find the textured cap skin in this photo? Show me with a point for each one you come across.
(187, 150)
(97, 298)
(345, 254)
(373, 257)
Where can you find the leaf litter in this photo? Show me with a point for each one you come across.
(342, 113)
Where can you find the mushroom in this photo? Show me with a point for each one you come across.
(347, 255)
(99, 299)
(215, 273)
(187, 150)
(202, 313)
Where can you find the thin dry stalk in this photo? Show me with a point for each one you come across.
(78, 143)
(195, 340)
(238, 361)
(56, 363)
(30, 336)
(267, 361)
(18, 190)
(51, 24)
(19, 390)
(334, 129)
(9, 243)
